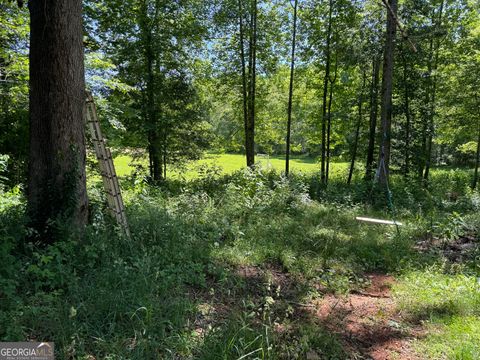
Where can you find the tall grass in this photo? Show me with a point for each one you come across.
(108, 296)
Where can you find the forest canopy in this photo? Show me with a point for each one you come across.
(168, 79)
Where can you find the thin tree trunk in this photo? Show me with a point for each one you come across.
(431, 123)
(357, 130)
(387, 85)
(152, 126)
(477, 159)
(329, 121)
(56, 172)
(431, 129)
(426, 116)
(244, 74)
(325, 93)
(250, 133)
(431, 112)
(407, 117)
(165, 163)
(254, 83)
(164, 152)
(290, 92)
(373, 117)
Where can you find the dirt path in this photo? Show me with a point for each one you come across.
(368, 322)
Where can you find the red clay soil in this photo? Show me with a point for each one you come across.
(368, 323)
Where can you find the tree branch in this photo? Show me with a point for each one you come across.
(400, 26)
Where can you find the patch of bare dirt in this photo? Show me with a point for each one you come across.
(456, 251)
(368, 322)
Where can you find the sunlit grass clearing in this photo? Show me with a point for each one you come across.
(229, 163)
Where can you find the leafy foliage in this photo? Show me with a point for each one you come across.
(161, 293)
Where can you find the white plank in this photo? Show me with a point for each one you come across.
(378, 221)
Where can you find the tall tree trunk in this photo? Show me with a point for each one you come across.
(165, 157)
(325, 93)
(477, 159)
(426, 117)
(244, 73)
(407, 117)
(290, 92)
(250, 131)
(431, 129)
(165, 165)
(432, 89)
(373, 117)
(357, 130)
(153, 138)
(387, 85)
(152, 125)
(56, 173)
(329, 121)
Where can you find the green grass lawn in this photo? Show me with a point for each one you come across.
(448, 305)
(229, 163)
(233, 162)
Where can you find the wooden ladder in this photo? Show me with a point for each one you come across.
(107, 169)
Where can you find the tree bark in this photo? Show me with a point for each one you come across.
(357, 130)
(426, 117)
(373, 117)
(407, 117)
(290, 92)
(153, 138)
(152, 124)
(387, 85)
(329, 121)
(477, 159)
(164, 157)
(432, 89)
(325, 93)
(250, 129)
(56, 174)
(244, 74)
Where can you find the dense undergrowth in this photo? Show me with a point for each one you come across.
(188, 283)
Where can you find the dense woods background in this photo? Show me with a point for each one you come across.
(178, 78)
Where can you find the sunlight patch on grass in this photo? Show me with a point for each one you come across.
(229, 163)
(233, 162)
(457, 337)
(123, 164)
(428, 293)
(449, 306)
